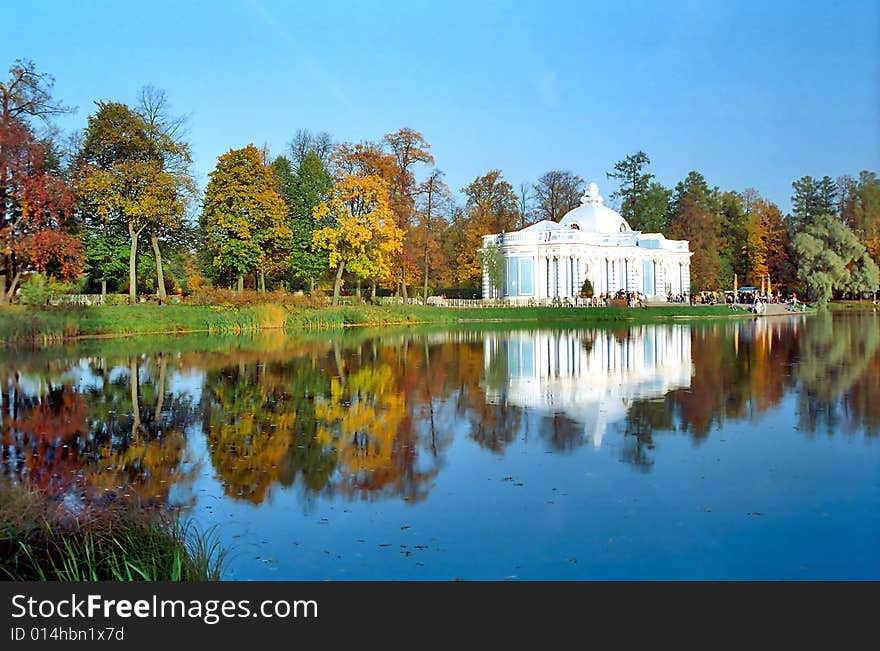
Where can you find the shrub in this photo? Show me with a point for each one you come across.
(207, 295)
(587, 289)
(35, 291)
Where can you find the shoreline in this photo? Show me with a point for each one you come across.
(43, 327)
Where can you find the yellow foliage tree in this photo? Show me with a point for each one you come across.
(364, 237)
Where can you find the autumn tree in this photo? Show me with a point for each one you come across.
(556, 193)
(433, 198)
(757, 241)
(694, 219)
(176, 160)
(362, 159)
(244, 218)
(36, 213)
(831, 258)
(124, 175)
(491, 208)
(860, 209)
(37, 217)
(364, 237)
(408, 147)
(28, 94)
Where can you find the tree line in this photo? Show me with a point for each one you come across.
(115, 208)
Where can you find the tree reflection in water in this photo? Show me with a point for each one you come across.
(372, 416)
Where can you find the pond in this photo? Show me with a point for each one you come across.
(744, 449)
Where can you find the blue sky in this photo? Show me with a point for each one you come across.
(751, 94)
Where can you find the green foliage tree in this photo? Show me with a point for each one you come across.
(811, 199)
(492, 260)
(244, 218)
(640, 199)
(654, 211)
(106, 253)
(310, 186)
(831, 258)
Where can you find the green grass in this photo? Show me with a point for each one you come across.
(42, 540)
(44, 326)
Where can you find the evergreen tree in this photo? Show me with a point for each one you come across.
(635, 185)
(309, 187)
(812, 198)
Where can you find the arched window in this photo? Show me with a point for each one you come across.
(622, 227)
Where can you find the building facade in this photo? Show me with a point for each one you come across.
(551, 260)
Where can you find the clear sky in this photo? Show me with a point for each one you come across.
(751, 94)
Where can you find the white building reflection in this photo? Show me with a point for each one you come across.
(589, 376)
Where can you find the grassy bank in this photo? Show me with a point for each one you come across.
(851, 306)
(44, 538)
(21, 324)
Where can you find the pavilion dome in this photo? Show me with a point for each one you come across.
(593, 216)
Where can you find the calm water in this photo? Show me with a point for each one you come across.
(724, 450)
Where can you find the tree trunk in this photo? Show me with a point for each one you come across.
(160, 390)
(403, 283)
(103, 289)
(10, 296)
(425, 288)
(262, 281)
(132, 263)
(241, 283)
(136, 426)
(338, 283)
(311, 285)
(373, 293)
(427, 234)
(358, 289)
(2, 289)
(160, 276)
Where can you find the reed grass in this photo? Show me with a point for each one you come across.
(42, 539)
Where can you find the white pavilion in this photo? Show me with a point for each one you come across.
(551, 260)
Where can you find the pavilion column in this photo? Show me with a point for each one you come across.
(569, 276)
(563, 275)
(539, 274)
(535, 274)
(554, 267)
(560, 276)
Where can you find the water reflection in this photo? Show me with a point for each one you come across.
(371, 416)
(589, 376)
